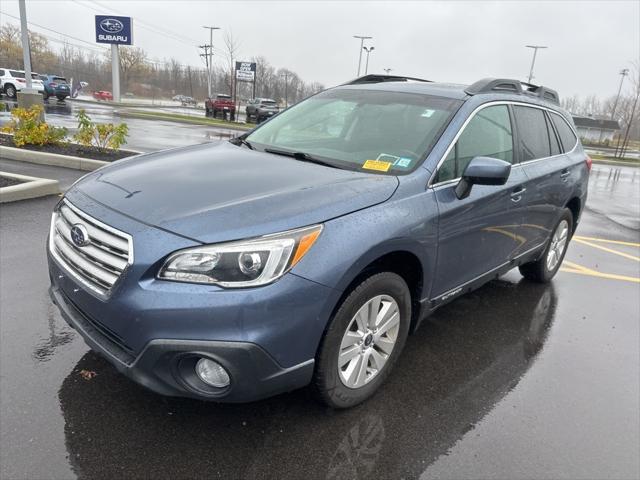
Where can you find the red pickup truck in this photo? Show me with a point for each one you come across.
(220, 105)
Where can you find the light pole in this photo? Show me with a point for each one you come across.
(27, 96)
(210, 57)
(368, 50)
(623, 73)
(533, 61)
(362, 39)
(387, 70)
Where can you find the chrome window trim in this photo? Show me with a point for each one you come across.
(103, 294)
(473, 114)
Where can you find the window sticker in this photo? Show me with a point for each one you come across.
(403, 162)
(427, 113)
(385, 157)
(377, 165)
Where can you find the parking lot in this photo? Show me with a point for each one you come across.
(514, 378)
(144, 135)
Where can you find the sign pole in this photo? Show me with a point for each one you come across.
(115, 72)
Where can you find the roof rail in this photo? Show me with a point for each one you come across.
(487, 85)
(379, 78)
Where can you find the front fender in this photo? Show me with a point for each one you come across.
(350, 243)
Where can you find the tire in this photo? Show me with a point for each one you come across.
(10, 90)
(214, 113)
(335, 385)
(232, 117)
(545, 268)
(45, 95)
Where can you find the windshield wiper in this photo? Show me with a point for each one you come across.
(241, 141)
(303, 157)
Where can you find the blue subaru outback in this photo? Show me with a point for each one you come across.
(306, 250)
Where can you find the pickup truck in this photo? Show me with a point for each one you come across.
(221, 104)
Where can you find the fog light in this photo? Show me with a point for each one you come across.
(212, 373)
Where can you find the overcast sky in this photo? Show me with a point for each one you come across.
(452, 41)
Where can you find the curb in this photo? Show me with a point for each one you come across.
(57, 160)
(33, 187)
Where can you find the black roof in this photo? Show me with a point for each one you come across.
(599, 123)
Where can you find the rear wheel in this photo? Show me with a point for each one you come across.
(363, 341)
(545, 268)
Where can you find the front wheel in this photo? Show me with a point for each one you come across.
(545, 268)
(363, 341)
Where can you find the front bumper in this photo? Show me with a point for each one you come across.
(254, 373)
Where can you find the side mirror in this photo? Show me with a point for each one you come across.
(482, 171)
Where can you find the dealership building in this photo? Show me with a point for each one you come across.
(594, 129)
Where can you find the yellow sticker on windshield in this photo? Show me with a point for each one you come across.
(377, 165)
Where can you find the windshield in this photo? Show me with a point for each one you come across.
(59, 79)
(369, 130)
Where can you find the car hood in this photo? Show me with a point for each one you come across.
(220, 192)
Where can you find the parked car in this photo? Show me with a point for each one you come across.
(12, 81)
(103, 95)
(222, 105)
(184, 100)
(306, 250)
(55, 86)
(260, 109)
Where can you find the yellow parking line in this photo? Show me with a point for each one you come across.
(581, 270)
(600, 247)
(604, 240)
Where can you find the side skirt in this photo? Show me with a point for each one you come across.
(427, 307)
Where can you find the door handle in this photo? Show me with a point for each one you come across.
(516, 194)
(564, 174)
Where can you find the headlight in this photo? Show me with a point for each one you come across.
(245, 263)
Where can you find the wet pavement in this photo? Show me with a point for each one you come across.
(144, 135)
(516, 380)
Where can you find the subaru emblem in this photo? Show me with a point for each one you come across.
(111, 25)
(80, 235)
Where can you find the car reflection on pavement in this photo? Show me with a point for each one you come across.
(457, 366)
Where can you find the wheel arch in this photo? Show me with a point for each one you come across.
(575, 206)
(404, 260)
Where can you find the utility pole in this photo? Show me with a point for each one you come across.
(362, 39)
(209, 58)
(533, 61)
(387, 70)
(286, 83)
(368, 50)
(623, 73)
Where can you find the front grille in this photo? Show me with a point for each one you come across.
(99, 264)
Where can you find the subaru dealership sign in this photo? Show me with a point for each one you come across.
(114, 30)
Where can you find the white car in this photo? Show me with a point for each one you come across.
(12, 81)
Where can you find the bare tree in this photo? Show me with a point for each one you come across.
(232, 47)
(132, 64)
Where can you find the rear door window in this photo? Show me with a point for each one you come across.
(488, 134)
(567, 137)
(553, 138)
(533, 135)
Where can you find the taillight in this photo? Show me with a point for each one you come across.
(53, 84)
(589, 162)
(20, 80)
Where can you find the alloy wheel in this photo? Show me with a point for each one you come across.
(368, 341)
(558, 244)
